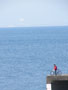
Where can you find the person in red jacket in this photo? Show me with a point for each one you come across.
(55, 69)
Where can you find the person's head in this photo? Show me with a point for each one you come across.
(54, 64)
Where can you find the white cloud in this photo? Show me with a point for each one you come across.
(21, 19)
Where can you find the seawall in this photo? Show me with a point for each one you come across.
(57, 82)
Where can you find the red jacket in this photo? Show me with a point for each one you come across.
(55, 67)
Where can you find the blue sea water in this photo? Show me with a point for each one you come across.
(27, 56)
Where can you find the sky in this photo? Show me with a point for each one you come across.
(28, 13)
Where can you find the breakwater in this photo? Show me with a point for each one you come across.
(57, 82)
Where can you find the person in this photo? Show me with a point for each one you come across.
(55, 69)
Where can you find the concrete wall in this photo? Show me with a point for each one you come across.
(59, 85)
(57, 82)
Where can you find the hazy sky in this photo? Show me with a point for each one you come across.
(18, 13)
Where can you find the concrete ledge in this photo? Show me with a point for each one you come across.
(50, 79)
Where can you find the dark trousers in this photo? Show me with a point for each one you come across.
(55, 72)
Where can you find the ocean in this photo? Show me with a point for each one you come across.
(27, 56)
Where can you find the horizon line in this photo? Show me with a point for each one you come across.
(33, 26)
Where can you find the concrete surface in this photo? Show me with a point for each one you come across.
(57, 82)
